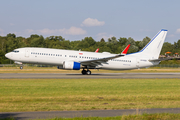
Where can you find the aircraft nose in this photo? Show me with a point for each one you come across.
(7, 55)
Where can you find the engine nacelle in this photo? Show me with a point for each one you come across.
(70, 65)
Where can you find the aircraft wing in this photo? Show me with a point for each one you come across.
(103, 60)
(98, 61)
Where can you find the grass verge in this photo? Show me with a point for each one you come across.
(87, 94)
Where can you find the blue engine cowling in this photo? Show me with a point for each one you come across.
(71, 65)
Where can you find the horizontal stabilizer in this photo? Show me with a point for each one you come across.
(162, 59)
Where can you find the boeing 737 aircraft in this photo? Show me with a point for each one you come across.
(76, 60)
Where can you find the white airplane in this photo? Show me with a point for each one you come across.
(76, 60)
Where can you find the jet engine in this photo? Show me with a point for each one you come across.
(71, 65)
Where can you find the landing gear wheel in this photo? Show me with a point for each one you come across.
(21, 67)
(88, 72)
(84, 72)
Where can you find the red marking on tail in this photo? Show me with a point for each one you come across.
(97, 50)
(126, 49)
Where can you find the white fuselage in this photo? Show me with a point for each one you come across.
(57, 57)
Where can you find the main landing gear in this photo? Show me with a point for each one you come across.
(86, 72)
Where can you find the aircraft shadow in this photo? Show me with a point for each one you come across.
(11, 115)
(95, 74)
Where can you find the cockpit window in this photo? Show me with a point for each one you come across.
(16, 51)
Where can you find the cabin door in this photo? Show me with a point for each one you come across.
(26, 52)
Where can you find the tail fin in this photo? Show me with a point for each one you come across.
(153, 48)
(124, 52)
(97, 50)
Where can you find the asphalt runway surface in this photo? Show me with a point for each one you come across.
(89, 113)
(78, 76)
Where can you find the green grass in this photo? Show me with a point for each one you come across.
(159, 116)
(87, 94)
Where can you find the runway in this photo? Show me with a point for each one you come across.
(88, 113)
(78, 76)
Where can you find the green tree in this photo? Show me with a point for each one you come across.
(11, 35)
(11, 44)
(133, 48)
(3, 41)
(34, 36)
(112, 40)
(102, 40)
(122, 41)
(37, 41)
(167, 47)
(144, 42)
(86, 43)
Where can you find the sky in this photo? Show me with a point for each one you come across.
(77, 19)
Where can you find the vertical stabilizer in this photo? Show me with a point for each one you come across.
(153, 48)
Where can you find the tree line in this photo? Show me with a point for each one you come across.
(113, 45)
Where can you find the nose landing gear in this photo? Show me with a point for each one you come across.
(21, 67)
(86, 72)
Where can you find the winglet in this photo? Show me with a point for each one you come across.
(124, 52)
(97, 50)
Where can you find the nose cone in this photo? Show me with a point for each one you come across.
(7, 55)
